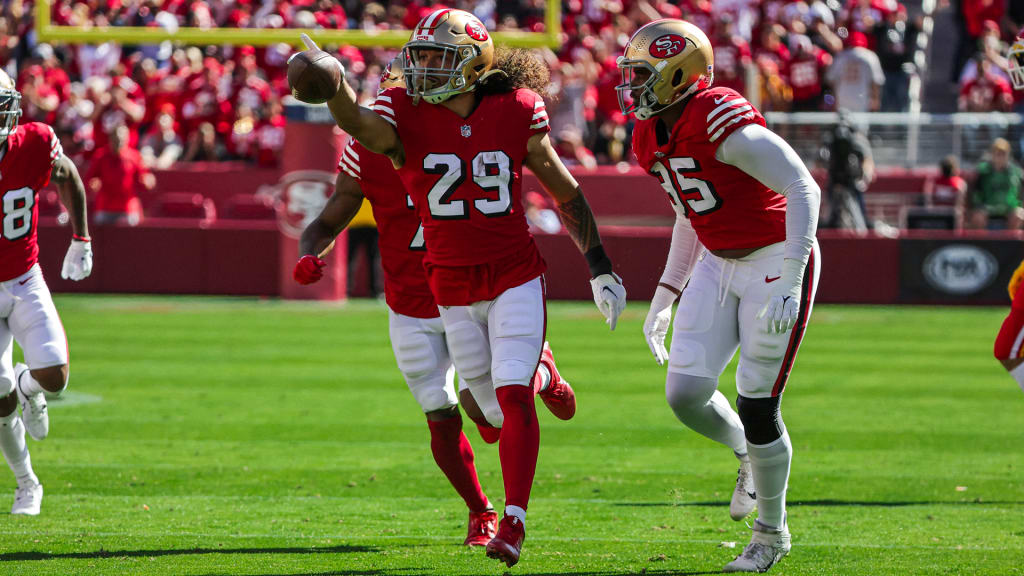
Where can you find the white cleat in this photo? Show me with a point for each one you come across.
(744, 497)
(33, 408)
(767, 546)
(28, 498)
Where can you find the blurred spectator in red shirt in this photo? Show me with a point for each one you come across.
(114, 175)
(270, 136)
(988, 92)
(570, 147)
(39, 101)
(948, 191)
(732, 55)
(807, 73)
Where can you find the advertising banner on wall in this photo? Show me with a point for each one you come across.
(957, 271)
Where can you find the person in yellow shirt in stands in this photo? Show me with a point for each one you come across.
(362, 237)
(1009, 349)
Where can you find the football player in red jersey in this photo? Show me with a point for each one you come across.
(1008, 349)
(31, 157)
(416, 330)
(744, 239)
(460, 135)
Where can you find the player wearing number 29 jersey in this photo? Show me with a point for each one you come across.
(461, 134)
(30, 157)
(743, 193)
(465, 176)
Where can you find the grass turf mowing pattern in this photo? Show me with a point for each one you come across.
(253, 437)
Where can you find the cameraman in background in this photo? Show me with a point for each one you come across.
(847, 153)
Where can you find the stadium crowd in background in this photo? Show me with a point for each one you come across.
(217, 103)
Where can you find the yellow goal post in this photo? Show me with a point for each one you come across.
(138, 35)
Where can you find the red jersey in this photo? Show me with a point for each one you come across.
(119, 172)
(948, 190)
(465, 178)
(806, 73)
(31, 151)
(729, 209)
(400, 233)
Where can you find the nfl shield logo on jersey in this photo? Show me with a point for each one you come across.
(467, 131)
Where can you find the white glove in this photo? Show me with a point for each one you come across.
(659, 317)
(78, 261)
(610, 296)
(783, 307)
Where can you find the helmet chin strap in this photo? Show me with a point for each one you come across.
(655, 109)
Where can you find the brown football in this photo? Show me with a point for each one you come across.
(314, 76)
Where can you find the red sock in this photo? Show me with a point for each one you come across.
(454, 456)
(519, 444)
(488, 433)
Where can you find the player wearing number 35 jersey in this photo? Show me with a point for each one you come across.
(30, 158)
(746, 214)
(460, 135)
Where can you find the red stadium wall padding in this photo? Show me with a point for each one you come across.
(308, 169)
(170, 257)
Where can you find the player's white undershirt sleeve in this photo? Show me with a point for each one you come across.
(764, 155)
(682, 255)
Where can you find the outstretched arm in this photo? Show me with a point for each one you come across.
(369, 128)
(363, 124)
(541, 158)
(318, 237)
(340, 209)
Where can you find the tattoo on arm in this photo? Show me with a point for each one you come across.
(579, 222)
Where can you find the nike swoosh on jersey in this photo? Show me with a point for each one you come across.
(22, 283)
(720, 100)
(770, 280)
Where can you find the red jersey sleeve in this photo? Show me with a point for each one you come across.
(386, 103)
(349, 161)
(534, 106)
(721, 111)
(46, 149)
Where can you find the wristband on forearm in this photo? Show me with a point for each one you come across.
(598, 261)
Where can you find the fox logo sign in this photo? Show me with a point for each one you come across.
(667, 46)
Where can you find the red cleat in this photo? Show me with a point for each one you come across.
(558, 397)
(489, 434)
(482, 527)
(509, 541)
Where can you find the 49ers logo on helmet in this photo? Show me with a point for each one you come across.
(667, 46)
(476, 31)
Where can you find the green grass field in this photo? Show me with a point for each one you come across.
(219, 436)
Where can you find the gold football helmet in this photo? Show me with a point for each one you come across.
(449, 51)
(393, 75)
(10, 106)
(1015, 62)
(664, 62)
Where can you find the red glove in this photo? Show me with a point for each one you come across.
(308, 269)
